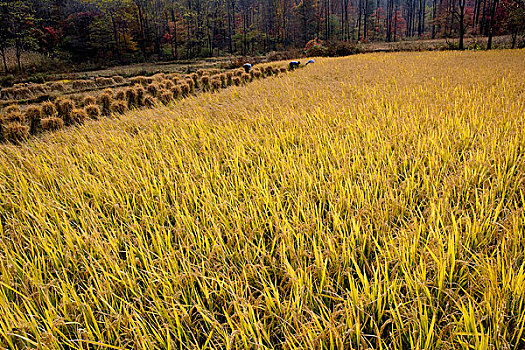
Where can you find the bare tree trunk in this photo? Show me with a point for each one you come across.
(434, 13)
(492, 23)
(389, 15)
(461, 23)
(115, 37)
(483, 24)
(395, 22)
(342, 20)
(346, 20)
(422, 18)
(365, 26)
(245, 38)
(230, 25)
(18, 53)
(4, 60)
(359, 21)
(327, 19)
(174, 40)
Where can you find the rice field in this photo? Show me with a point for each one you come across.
(369, 202)
(73, 104)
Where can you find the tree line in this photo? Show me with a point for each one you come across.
(124, 31)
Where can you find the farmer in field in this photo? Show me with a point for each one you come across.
(294, 65)
(247, 67)
(309, 62)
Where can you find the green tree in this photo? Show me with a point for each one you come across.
(18, 19)
(516, 19)
(5, 35)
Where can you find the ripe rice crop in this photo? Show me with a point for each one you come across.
(256, 73)
(268, 71)
(16, 93)
(223, 79)
(369, 202)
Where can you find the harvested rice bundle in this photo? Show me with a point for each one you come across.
(92, 111)
(185, 89)
(131, 97)
(105, 100)
(140, 93)
(78, 116)
(52, 124)
(119, 79)
(121, 95)
(34, 116)
(191, 85)
(205, 82)
(166, 96)
(58, 86)
(215, 83)
(64, 108)
(48, 109)
(89, 100)
(153, 89)
(139, 80)
(150, 101)
(15, 132)
(119, 107)
(177, 91)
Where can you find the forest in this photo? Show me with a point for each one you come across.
(126, 31)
